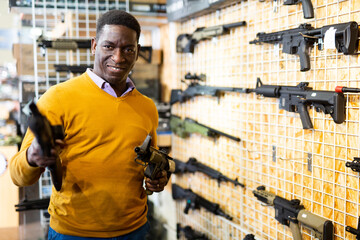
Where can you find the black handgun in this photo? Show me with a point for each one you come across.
(46, 134)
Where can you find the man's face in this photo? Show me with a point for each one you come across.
(115, 51)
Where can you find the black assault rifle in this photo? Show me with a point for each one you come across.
(299, 40)
(189, 233)
(194, 201)
(153, 160)
(185, 43)
(290, 213)
(298, 98)
(192, 165)
(46, 134)
(195, 89)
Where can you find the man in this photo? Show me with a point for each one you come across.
(104, 118)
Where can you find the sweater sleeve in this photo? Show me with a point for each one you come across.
(153, 133)
(22, 174)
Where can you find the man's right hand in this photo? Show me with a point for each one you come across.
(35, 157)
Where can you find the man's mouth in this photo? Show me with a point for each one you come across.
(115, 69)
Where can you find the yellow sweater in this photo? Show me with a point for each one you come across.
(102, 193)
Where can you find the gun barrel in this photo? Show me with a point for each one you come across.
(234, 25)
(193, 126)
(342, 89)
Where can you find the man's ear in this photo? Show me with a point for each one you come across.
(93, 45)
(138, 50)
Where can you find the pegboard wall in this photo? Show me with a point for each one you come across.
(275, 151)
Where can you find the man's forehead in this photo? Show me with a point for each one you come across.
(118, 29)
(112, 27)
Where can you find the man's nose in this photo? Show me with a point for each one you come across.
(117, 56)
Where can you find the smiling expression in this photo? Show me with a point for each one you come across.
(116, 52)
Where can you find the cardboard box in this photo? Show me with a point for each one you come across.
(24, 55)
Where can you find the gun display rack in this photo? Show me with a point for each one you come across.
(326, 187)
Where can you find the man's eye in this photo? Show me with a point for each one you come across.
(129, 50)
(108, 46)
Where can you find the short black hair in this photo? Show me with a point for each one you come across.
(118, 17)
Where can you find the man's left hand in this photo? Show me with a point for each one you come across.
(158, 184)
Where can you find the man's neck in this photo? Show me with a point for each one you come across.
(119, 90)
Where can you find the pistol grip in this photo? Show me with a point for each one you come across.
(295, 229)
(304, 116)
(308, 9)
(303, 52)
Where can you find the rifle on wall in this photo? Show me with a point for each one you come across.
(195, 89)
(64, 43)
(189, 233)
(192, 166)
(298, 98)
(299, 40)
(183, 128)
(291, 213)
(185, 43)
(71, 68)
(194, 201)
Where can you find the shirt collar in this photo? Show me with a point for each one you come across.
(102, 84)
